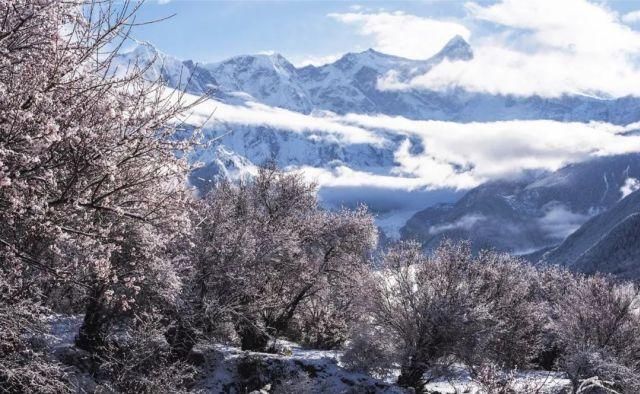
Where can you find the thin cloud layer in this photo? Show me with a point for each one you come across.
(464, 223)
(537, 48)
(463, 155)
(559, 221)
(217, 113)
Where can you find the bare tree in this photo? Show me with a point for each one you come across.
(266, 249)
(452, 306)
(597, 326)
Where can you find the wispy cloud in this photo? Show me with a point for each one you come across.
(256, 114)
(401, 34)
(464, 223)
(559, 221)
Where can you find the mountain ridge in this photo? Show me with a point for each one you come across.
(351, 85)
(529, 213)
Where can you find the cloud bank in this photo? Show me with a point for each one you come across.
(526, 47)
(426, 154)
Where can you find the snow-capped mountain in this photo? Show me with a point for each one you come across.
(352, 85)
(363, 142)
(174, 72)
(269, 79)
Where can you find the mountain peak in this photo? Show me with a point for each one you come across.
(370, 58)
(456, 48)
(145, 51)
(274, 56)
(372, 51)
(265, 60)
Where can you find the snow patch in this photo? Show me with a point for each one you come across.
(630, 186)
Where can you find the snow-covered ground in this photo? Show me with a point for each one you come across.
(228, 369)
(526, 382)
(63, 330)
(297, 370)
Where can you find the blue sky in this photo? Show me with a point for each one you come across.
(211, 30)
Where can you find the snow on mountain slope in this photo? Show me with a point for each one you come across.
(345, 127)
(184, 75)
(269, 79)
(363, 83)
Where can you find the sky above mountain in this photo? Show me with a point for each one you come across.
(523, 47)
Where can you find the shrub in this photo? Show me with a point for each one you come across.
(267, 250)
(450, 306)
(597, 326)
(26, 365)
(140, 361)
(371, 350)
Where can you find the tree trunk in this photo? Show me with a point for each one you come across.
(182, 338)
(252, 337)
(411, 375)
(94, 329)
(281, 323)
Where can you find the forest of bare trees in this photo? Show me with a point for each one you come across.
(97, 219)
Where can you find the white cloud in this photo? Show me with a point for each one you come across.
(576, 26)
(405, 35)
(570, 47)
(255, 114)
(631, 17)
(464, 223)
(343, 176)
(463, 155)
(455, 155)
(559, 221)
(630, 186)
(164, 1)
